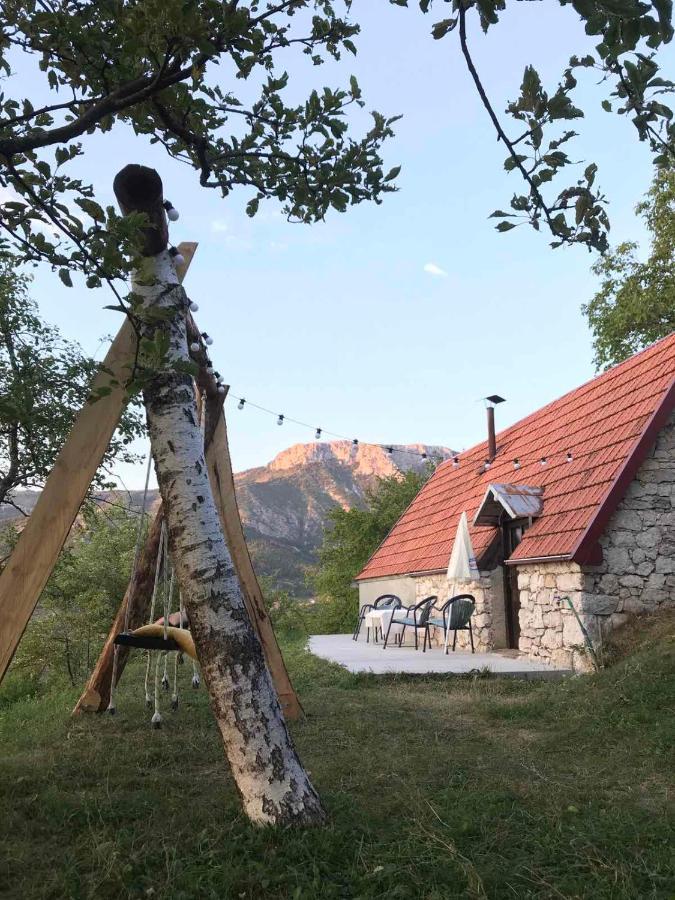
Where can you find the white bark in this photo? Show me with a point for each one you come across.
(274, 787)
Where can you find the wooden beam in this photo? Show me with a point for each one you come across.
(222, 483)
(33, 559)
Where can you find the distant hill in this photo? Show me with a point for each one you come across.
(284, 504)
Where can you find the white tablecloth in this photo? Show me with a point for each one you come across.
(380, 618)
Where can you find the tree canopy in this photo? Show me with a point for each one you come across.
(636, 301)
(205, 79)
(44, 382)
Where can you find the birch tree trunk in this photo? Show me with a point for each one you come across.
(274, 787)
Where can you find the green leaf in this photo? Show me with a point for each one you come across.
(505, 226)
(440, 29)
(64, 275)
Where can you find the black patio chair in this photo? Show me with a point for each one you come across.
(416, 617)
(384, 601)
(455, 615)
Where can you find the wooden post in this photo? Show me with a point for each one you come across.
(31, 563)
(219, 465)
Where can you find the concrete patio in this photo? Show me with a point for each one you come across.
(358, 656)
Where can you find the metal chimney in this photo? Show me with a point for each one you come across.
(490, 403)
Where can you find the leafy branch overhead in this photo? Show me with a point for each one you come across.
(205, 80)
(159, 67)
(629, 32)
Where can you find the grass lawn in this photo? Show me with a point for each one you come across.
(436, 787)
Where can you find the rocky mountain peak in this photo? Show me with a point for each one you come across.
(366, 460)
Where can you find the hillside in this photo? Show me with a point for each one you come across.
(284, 504)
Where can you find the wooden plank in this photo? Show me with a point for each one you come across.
(30, 565)
(222, 483)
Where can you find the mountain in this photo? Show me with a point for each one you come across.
(284, 504)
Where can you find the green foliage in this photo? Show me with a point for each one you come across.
(350, 539)
(44, 382)
(636, 301)
(629, 33)
(203, 79)
(290, 615)
(81, 598)
(436, 787)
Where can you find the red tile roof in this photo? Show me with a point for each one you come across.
(608, 424)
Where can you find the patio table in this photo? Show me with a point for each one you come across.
(380, 618)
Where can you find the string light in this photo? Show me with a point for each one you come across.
(195, 347)
(194, 307)
(171, 212)
(177, 256)
(208, 340)
(390, 448)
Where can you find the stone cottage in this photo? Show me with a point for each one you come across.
(575, 501)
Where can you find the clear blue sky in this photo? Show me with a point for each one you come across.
(339, 324)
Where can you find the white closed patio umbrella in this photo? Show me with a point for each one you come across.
(462, 566)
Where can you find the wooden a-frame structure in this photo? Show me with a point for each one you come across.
(37, 550)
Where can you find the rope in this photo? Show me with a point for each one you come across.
(178, 658)
(134, 567)
(167, 612)
(157, 716)
(158, 569)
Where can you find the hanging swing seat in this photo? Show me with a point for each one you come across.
(145, 642)
(151, 637)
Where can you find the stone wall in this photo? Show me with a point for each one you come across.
(483, 637)
(548, 628)
(637, 573)
(638, 569)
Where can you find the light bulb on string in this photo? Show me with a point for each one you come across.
(193, 306)
(390, 450)
(177, 256)
(242, 403)
(516, 463)
(208, 340)
(569, 456)
(543, 461)
(355, 442)
(455, 462)
(318, 434)
(195, 347)
(280, 420)
(171, 212)
(487, 465)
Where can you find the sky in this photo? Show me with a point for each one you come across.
(390, 322)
